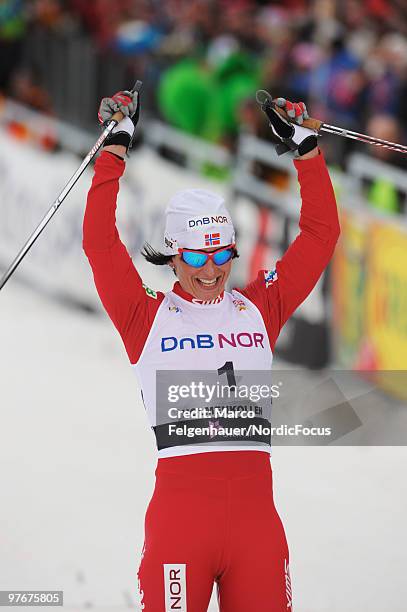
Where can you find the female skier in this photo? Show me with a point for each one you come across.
(211, 517)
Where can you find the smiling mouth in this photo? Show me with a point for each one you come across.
(206, 283)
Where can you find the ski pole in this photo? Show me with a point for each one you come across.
(267, 103)
(116, 118)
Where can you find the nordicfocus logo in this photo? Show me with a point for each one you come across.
(213, 220)
(208, 341)
(175, 587)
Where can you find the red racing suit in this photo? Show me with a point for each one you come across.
(212, 516)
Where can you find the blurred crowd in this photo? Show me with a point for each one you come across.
(203, 59)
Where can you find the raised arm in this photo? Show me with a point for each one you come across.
(277, 293)
(117, 281)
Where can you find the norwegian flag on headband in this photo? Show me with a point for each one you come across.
(212, 239)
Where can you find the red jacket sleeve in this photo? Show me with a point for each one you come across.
(117, 281)
(277, 293)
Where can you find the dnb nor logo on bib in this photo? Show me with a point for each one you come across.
(210, 341)
(270, 277)
(175, 587)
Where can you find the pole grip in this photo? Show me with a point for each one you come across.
(265, 100)
(137, 86)
(117, 117)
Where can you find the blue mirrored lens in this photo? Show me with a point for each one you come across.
(197, 260)
(222, 257)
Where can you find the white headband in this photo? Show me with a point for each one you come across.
(197, 219)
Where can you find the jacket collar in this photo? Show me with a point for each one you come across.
(190, 298)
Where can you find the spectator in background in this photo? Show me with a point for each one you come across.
(49, 14)
(387, 70)
(382, 194)
(345, 58)
(26, 81)
(26, 88)
(12, 30)
(385, 127)
(202, 95)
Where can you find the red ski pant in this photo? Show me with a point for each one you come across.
(212, 519)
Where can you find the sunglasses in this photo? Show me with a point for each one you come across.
(197, 259)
